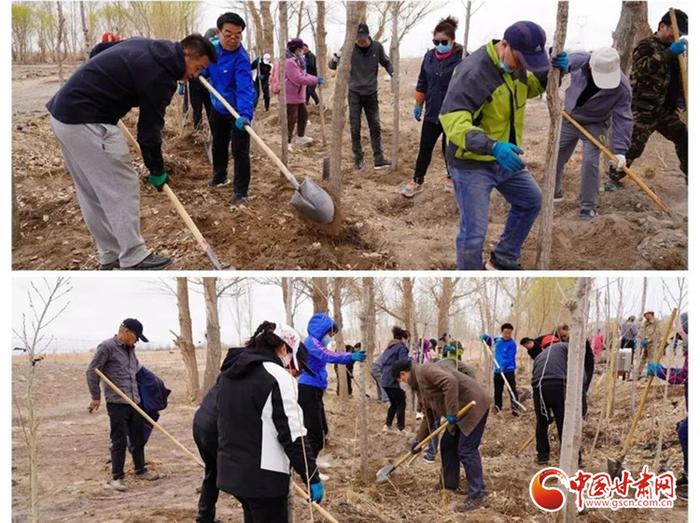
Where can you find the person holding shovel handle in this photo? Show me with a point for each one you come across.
(137, 72)
(504, 366)
(442, 391)
(116, 358)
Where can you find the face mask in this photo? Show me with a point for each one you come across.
(442, 48)
(286, 360)
(326, 341)
(506, 68)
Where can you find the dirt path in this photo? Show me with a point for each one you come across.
(383, 230)
(74, 450)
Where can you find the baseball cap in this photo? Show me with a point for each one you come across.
(362, 31)
(605, 68)
(136, 327)
(528, 40)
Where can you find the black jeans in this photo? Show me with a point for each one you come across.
(456, 449)
(498, 385)
(429, 134)
(311, 402)
(263, 86)
(199, 98)
(397, 406)
(264, 510)
(224, 132)
(370, 104)
(207, 445)
(554, 395)
(311, 93)
(125, 422)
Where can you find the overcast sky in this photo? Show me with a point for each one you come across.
(591, 22)
(98, 305)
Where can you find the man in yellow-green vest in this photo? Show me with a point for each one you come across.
(482, 116)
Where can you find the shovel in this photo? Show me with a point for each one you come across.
(384, 472)
(681, 57)
(309, 198)
(203, 244)
(505, 381)
(615, 465)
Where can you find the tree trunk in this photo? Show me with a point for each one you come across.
(282, 61)
(184, 340)
(321, 60)
(60, 37)
(554, 105)
(257, 22)
(211, 370)
(446, 295)
(637, 363)
(339, 340)
(407, 312)
(354, 13)
(319, 294)
(571, 433)
(248, 37)
(87, 43)
(368, 326)
(395, 82)
(467, 23)
(288, 299)
(267, 36)
(632, 26)
(16, 233)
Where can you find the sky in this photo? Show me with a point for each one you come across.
(591, 22)
(98, 305)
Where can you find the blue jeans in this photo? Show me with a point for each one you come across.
(431, 449)
(473, 188)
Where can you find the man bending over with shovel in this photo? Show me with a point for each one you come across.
(116, 358)
(137, 72)
(442, 391)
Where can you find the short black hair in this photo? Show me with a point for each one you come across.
(398, 367)
(506, 326)
(398, 333)
(681, 18)
(199, 46)
(525, 340)
(433, 342)
(230, 18)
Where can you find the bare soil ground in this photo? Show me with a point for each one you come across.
(73, 454)
(382, 229)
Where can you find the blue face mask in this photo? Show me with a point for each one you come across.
(326, 341)
(506, 67)
(442, 48)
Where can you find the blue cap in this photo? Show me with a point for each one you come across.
(528, 40)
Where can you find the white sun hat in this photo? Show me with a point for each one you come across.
(605, 68)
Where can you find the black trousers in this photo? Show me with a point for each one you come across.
(554, 395)
(263, 86)
(207, 445)
(224, 132)
(397, 406)
(498, 385)
(348, 378)
(369, 103)
(311, 93)
(125, 422)
(429, 134)
(311, 402)
(264, 510)
(200, 99)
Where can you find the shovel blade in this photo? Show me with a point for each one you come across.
(209, 145)
(313, 202)
(614, 468)
(384, 473)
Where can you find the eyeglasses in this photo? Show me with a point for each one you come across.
(443, 42)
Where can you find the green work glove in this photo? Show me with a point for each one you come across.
(157, 180)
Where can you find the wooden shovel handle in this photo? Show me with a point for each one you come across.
(636, 179)
(283, 168)
(302, 493)
(681, 57)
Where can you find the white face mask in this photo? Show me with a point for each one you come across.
(286, 360)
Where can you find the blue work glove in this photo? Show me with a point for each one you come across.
(317, 492)
(561, 61)
(181, 88)
(644, 342)
(157, 180)
(678, 47)
(507, 156)
(451, 419)
(359, 356)
(485, 337)
(653, 368)
(417, 112)
(320, 80)
(241, 122)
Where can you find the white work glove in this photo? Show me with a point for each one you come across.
(620, 163)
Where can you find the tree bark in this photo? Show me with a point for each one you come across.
(87, 43)
(445, 302)
(339, 339)
(60, 37)
(257, 23)
(395, 83)
(211, 371)
(184, 340)
(267, 36)
(467, 23)
(632, 26)
(281, 61)
(554, 106)
(407, 312)
(288, 299)
(571, 433)
(321, 60)
(319, 294)
(368, 325)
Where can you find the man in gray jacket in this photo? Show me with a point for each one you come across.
(599, 92)
(116, 359)
(367, 55)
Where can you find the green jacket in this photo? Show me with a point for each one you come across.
(485, 105)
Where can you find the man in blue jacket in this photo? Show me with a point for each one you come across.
(232, 78)
(321, 330)
(504, 366)
(599, 96)
(137, 72)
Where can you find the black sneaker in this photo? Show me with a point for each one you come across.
(587, 214)
(613, 186)
(359, 163)
(682, 487)
(558, 196)
(493, 264)
(238, 199)
(380, 165)
(112, 266)
(471, 504)
(219, 181)
(542, 460)
(152, 262)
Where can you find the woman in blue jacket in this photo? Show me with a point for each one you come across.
(321, 330)
(433, 80)
(397, 350)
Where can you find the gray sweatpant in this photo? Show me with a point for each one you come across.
(590, 172)
(98, 159)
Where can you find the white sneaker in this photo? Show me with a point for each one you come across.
(303, 140)
(118, 485)
(323, 463)
(323, 477)
(386, 428)
(419, 415)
